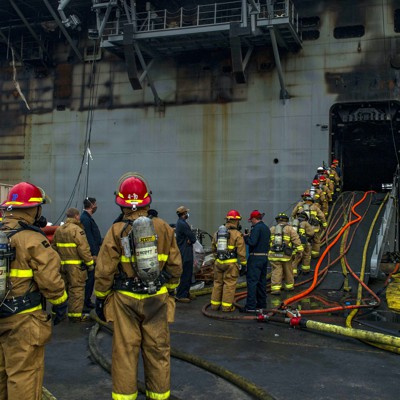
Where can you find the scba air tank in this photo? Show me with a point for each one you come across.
(145, 242)
(222, 242)
(296, 224)
(4, 260)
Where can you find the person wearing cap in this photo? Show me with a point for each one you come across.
(185, 239)
(258, 242)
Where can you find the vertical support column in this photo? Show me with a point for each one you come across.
(236, 53)
(130, 59)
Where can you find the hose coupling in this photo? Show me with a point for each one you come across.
(295, 321)
(262, 318)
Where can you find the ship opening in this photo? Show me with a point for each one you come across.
(365, 137)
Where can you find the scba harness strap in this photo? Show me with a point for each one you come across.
(135, 285)
(27, 301)
(19, 304)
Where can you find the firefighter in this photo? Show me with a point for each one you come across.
(71, 244)
(336, 179)
(306, 233)
(326, 190)
(319, 197)
(137, 270)
(33, 273)
(284, 239)
(316, 218)
(320, 171)
(329, 183)
(229, 252)
(338, 169)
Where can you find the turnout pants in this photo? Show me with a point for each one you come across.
(282, 271)
(306, 258)
(22, 341)
(75, 280)
(316, 244)
(225, 278)
(140, 324)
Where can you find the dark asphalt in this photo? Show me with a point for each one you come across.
(287, 363)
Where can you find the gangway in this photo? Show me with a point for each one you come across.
(366, 245)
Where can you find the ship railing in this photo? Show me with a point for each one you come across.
(208, 14)
(202, 16)
(385, 239)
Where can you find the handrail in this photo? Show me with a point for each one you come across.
(202, 16)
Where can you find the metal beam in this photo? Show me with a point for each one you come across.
(63, 30)
(236, 55)
(4, 39)
(238, 65)
(130, 58)
(255, 8)
(284, 93)
(132, 49)
(32, 32)
(157, 99)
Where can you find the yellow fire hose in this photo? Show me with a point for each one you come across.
(298, 321)
(46, 395)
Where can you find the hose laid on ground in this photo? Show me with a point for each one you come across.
(298, 321)
(237, 380)
(46, 395)
(313, 285)
(375, 337)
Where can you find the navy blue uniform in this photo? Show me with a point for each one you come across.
(258, 242)
(94, 239)
(185, 239)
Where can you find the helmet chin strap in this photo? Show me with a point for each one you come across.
(38, 213)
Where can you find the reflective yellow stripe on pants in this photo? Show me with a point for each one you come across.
(117, 396)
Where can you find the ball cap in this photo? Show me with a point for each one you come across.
(256, 214)
(182, 209)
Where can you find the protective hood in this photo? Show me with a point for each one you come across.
(27, 215)
(133, 214)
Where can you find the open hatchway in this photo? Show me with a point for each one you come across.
(366, 140)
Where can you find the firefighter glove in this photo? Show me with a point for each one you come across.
(164, 276)
(59, 312)
(243, 270)
(100, 309)
(90, 268)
